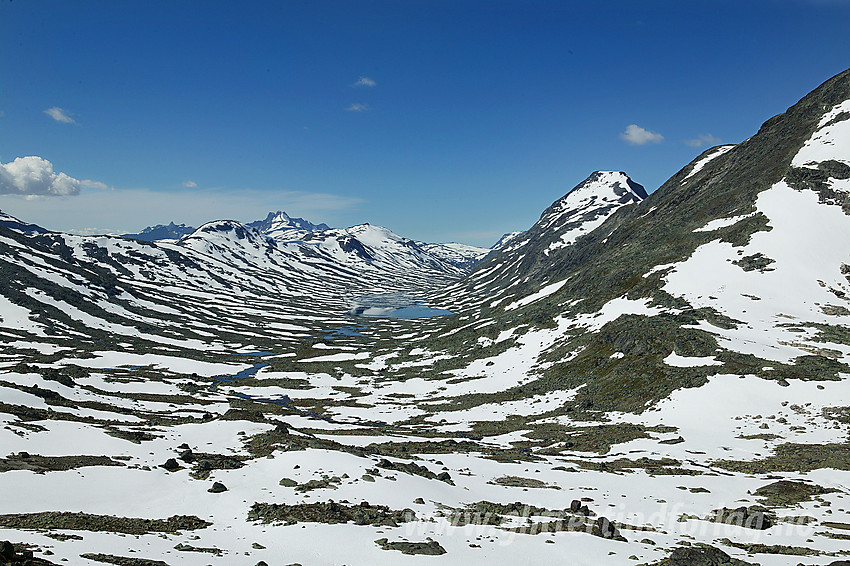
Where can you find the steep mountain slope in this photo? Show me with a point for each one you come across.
(732, 258)
(521, 258)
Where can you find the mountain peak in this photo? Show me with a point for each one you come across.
(603, 183)
(590, 202)
(281, 226)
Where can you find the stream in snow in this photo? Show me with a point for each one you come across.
(283, 401)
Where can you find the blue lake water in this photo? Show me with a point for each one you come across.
(341, 331)
(394, 305)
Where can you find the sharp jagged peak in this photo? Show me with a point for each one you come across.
(279, 223)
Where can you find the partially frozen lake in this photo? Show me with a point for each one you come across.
(394, 305)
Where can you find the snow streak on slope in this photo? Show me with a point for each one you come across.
(830, 141)
(714, 153)
(788, 285)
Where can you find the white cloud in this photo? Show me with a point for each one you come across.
(357, 107)
(89, 184)
(705, 139)
(365, 81)
(59, 115)
(190, 184)
(35, 176)
(635, 135)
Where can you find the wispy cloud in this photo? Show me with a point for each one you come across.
(60, 115)
(705, 139)
(357, 107)
(34, 176)
(635, 135)
(364, 81)
(89, 184)
(190, 184)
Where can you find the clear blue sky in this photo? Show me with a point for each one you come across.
(441, 120)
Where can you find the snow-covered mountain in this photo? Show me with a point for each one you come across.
(636, 379)
(500, 243)
(281, 226)
(463, 256)
(519, 259)
(278, 225)
(14, 224)
(151, 289)
(170, 231)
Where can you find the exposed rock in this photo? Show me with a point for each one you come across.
(217, 487)
(700, 556)
(606, 529)
(64, 520)
(748, 517)
(41, 464)
(431, 547)
(330, 512)
(786, 493)
(516, 481)
(122, 560)
(19, 555)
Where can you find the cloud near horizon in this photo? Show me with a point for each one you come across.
(190, 184)
(364, 81)
(123, 211)
(705, 139)
(60, 115)
(635, 135)
(34, 176)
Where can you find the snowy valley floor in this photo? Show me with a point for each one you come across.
(346, 450)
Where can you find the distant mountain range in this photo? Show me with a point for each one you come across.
(169, 231)
(282, 227)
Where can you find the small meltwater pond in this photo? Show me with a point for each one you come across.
(394, 305)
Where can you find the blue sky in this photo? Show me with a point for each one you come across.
(442, 120)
